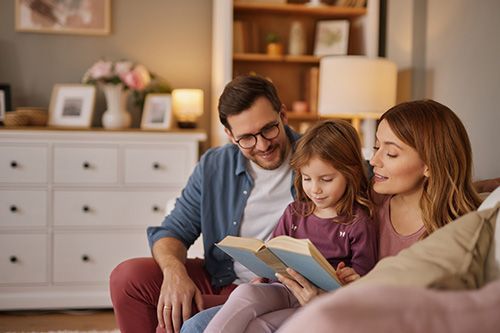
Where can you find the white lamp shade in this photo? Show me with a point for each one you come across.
(187, 104)
(356, 84)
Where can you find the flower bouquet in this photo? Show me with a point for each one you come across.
(130, 75)
(117, 79)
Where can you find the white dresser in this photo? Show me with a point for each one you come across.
(73, 204)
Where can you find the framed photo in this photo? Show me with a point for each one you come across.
(157, 113)
(72, 105)
(4, 100)
(86, 17)
(332, 37)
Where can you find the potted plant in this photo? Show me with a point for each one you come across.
(273, 45)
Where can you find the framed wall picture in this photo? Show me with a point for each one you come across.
(86, 17)
(72, 105)
(332, 37)
(157, 113)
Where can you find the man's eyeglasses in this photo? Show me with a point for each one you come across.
(269, 132)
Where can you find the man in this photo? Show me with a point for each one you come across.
(239, 189)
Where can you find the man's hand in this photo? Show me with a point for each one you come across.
(346, 274)
(177, 289)
(176, 297)
(301, 288)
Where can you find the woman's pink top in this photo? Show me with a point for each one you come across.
(390, 242)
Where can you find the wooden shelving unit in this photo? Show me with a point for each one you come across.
(289, 73)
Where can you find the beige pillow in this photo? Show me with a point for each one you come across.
(452, 257)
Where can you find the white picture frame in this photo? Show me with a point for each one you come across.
(72, 105)
(332, 38)
(157, 112)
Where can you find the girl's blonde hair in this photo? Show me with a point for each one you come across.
(335, 142)
(440, 139)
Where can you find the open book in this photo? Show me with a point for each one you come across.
(274, 256)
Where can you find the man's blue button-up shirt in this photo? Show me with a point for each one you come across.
(212, 203)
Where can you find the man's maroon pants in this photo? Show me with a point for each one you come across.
(135, 288)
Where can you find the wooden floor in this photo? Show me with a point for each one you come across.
(29, 321)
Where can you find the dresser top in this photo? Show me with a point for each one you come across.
(130, 134)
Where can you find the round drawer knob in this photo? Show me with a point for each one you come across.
(13, 208)
(156, 208)
(85, 209)
(85, 258)
(86, 165)
(13, 164)
(13, 259)
(156, 165)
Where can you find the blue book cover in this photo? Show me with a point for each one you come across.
(250, 260)
(309, 268)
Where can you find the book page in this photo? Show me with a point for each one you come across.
(250, 244)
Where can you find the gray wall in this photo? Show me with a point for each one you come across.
(170, 37)
(453, 49)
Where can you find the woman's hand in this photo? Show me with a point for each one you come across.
(346, 274)
(301, 288)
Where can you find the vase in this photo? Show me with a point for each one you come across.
(297, 43)
(116, 115)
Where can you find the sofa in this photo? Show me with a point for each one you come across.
(448, 282)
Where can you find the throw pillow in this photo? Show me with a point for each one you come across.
(452, 257)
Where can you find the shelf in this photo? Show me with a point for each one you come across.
(300, 9)
(349, 116)
(262, 57)
(354, 118)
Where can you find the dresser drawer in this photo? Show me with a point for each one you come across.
(23, 164)
(90, 257)
(107, 208)
(23, 208)
(24, 258)
(83, 165)
(170, 165)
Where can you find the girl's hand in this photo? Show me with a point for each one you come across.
(346, 274)
(301, 288)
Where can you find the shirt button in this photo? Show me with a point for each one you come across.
(245, 192)
(234, 222)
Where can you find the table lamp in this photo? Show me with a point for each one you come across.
(187, 106)
(359, 86)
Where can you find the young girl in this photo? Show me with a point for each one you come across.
(331, 209)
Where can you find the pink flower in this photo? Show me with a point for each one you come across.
(101, 69)
(138, 78)
(122, 68)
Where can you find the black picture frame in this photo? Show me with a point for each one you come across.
(5, 104)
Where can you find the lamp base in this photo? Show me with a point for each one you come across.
(186, 124)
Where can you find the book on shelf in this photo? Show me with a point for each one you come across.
(274, 256)
(245, 37)
(238, 37)
(312, 88)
